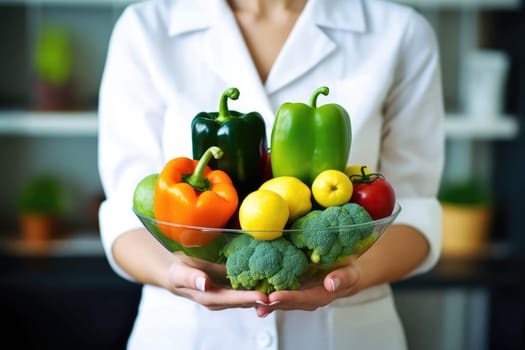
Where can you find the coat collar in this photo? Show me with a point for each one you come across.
(339, 14)
(192, 15)
(230, 58)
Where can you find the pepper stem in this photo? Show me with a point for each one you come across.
(322, 90)
(197, 180)
(224, 112)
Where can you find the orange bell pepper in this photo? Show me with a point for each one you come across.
(188, 192)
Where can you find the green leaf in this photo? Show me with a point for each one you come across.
(469, 192)
(53, 62)
(42, 195)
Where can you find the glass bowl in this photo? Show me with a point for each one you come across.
(210, 257)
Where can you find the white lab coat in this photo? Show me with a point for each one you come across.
(169, 60)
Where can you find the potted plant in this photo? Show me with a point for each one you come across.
(41, 202)
(53, 67)
(467, 214)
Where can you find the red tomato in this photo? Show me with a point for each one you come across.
(375, 194)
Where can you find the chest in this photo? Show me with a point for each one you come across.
(192, 72)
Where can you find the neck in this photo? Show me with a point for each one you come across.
(258, 7)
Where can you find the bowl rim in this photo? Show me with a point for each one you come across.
(385, 220)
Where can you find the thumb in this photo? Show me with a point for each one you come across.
(341, 279)
(183, 276)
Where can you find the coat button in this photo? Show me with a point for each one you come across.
(264, 339)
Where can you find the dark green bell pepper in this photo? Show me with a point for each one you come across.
(242, 137)
(307, 139)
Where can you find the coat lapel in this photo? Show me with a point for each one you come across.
(305, 48)
(308, 44)
(227, 56)
(223, 49)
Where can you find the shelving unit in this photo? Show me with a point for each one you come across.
(39, 134)
(418, 3)
(477, 4)
(66, 142)
(77, 245)
(66, 2)
(84, 123)
(80, 123)
(458, 126)
(60, 144)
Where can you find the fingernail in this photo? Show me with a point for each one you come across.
(266, 314)
(200, 284)
(274, 303)
(334, 283)
(260, 302)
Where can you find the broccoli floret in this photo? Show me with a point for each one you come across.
(322, 235)
(263, 265)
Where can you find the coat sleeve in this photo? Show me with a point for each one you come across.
(412, 150)
(130, 128)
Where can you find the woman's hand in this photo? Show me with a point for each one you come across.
(340, 283)
(194, 279)
(397, 253)
(148, 262)
(394, 256)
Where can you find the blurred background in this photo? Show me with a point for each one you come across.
(56, 290)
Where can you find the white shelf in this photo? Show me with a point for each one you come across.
(79, 244)
(458, 126)
(493, 4)
(501, 4)
(85, 123)
(67, 2)
(81, 123)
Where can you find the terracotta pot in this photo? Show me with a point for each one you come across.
(49, 97)
(465, 229)
(37, 228)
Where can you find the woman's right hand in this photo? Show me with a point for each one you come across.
(146, 261)
(200, 281)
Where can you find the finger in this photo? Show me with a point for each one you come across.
(218, 298)
(183, 276)
(263, 311)
(196, 285)
(306, 299)
(342, 280)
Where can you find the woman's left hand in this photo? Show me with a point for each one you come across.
(342, 282)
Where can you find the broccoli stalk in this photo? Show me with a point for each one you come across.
(266, 266)
(324, 235)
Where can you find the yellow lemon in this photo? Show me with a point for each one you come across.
(332, 187)
(355, 169)
(295, 192)
(263, 214)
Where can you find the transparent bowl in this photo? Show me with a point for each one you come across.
(209, 257)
